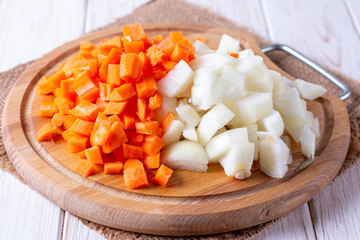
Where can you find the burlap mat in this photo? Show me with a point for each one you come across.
(175, 11)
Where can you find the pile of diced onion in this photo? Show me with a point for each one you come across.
(234, 111)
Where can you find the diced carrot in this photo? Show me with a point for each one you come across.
(122, 93)
(116, 138)
(81, 154)
(180, 53)
(155, 101)
(134, 174)
(66, 89)
(149, 128)
(151, 162)
(162, 175)
(67, 134)
(47, 85)
(85, 111)
(134, 47)
(167, 120)
(82, 127)
(101, 104)
(113, 168)
(77, 143)
(101, 119)
(136, 139)
(85, 169)
(131, 151)
(146, 87)
(176, 37)
(115, 107)
(186, 43)
(169, 65)
(141, 109)
(158, 74)
(144, 59)
(57, 120)
(86, 89)
(93, 155)
(44, 133)
(155, 55)
(85, 55)
(80, 65)
(130, 67)
(119, 154)
(108, 158)
(63, 105)
(152, 145)
(112, 58)
(135, 32)
(114, 118)
(105, 90)
(129, 120)
(158, 39)
(47, 108)
(107, 45)
(57, 92)
(167, 46)
(68, 121)
(113, 75)
(235, 55)
(86, 46)
(101, 134)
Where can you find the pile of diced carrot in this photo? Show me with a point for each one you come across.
(104, 102)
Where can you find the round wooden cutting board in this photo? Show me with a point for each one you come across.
(193, 203)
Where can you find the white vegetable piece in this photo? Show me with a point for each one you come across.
(220, 144)
(238, 160)
(252, 133)
(190, 134)
(187, 155)
(289, 104)
(200, 46)
(274, 155)
(173, 132)
(188, 114)
(272, 123)
(316, 127)
(235, 77)
(251, 108)
(260, 84)
(286, 139)
(168, 105)
(307, 140)
(294, 126)
(252, 67)
(228, 44)
(245, 53)
(213, 120)
(309, 91)
(278, 84)
(201, 92)
(177, 81)
(213, 59)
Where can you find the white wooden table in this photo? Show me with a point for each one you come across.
(326, 31)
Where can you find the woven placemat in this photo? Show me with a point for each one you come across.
(177, 11)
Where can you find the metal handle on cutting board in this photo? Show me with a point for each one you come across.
(345, 88)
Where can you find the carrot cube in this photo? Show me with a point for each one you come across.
(66, 89)
(85, 169)
(136, 139)
(85, 111)
(167, 120)
(162, 175)
(135, 32)
(48, 84)
(180, 53)
(150, 128)
(67, 134)
(167, 47)
(115, 107)
(155, 101)
(134, 47)
(68, 121)
(146, 87)
(141, 109)
(113, 75)
(116, 138)
(105, 90)
(130, 67)
(101, 135)
(86, 46)
(123, 92)
(44, 133)
(134, 174)
(81, 154)
(82, 127)
(93, 155)
(131, 151)
(113, 167)
(112, 58)
(47, 108)
(151, 162)
(176, 37)
(63, 105)
(101, 104)
(152, 145)
(155, 55)
(57, 120)
(78, 143)
(86, 89)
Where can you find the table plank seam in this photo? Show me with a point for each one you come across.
(352, 15)
(309, 204)
(270, 32)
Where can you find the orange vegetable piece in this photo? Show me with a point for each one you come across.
(86, 46)
(116, 138)
(74, 65)
(113, 75)
(158, 74)
(67, 134)
(113, 168)
(77, 143)
(155, 101)
(158, 39)
(167, 120)
(134, 174)
(129, 120)
(118, 154)
(86, 89)
(115, 107)
(155, 55)
(122, 93)
(130, 67)
(144, 59)
(82, 127)
(162, 175)
(112, 58)
(44, 133)
(135, 32)
(150, 128)
(180, 53)
(101, 104)
(48, 84)
(101, 135)
(134, 47)
(85, 111)
(169, 65)
(47, 108)
(81, 154)
(136, 139)
(146, 87)
(235, 55)
(66, 88)
(93, 155)
(167, 47)
(57, 120)
(85, 169)
(151, 162)
(114, 118)
(152, 145)
(141, 109)
(106, 45)
(176, 37)
(57, 131)
(63, 105)
(131, 151)
(68, 121)
(101, 119)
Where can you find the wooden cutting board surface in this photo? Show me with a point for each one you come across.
(193, 203)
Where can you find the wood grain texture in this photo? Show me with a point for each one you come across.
(17, 219)
(41, 30)
(75, 229)
(204, 206)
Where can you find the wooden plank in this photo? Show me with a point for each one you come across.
(353, 6)
(100, 14)
(75, 229)
(312, 28)
(335, 211)
(242, 12)
(25, 213)
(31, 28)
(296, 225)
